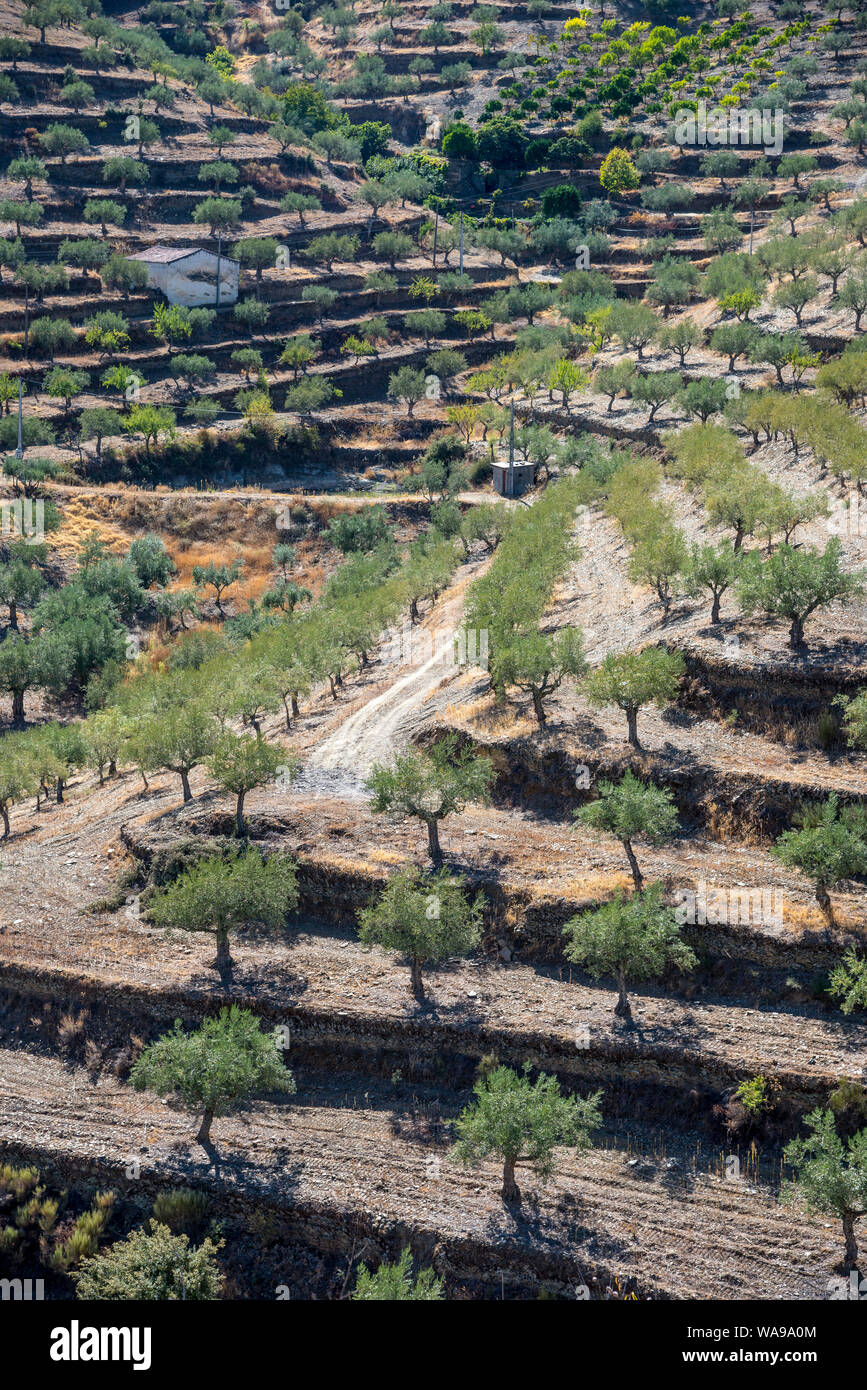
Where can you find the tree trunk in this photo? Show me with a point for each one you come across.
(185, 783)
(622, 1009)
(633, 864)
(632, 727)
(59, 790)
(286, 712)
(511, 1190)
(824, 901)
(224, 956)
(17, 706)
(851, 1256)
(538, 708)
(204, 1134)
(433, 841)
(796, 633)
(714, 612)
(416, 982)
(4, 815)
(13, 615)
(295, 710)
(239, 814)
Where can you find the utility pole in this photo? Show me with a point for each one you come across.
(26, 318)
(461, 253)
(219, 258)
(510, 490)
(752, 220)
(436, 229)
(19, 452)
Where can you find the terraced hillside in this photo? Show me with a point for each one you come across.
(433, 578)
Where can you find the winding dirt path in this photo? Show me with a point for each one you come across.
(420, 679)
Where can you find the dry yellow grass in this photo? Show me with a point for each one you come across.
(387, 856)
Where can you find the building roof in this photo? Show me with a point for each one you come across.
(161, 255)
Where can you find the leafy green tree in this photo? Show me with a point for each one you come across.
(258, 254)
(854, 710)
(615, 378)
(538, 663)
(632, 939)
(848, 982)
(359, 531)
(632, 680)
(631, 808)
(151, 422)
(68, 743)
(655, 389)
(219, 214)
(22, 214)
(175, 739)
(430, 786)
(216, 172)
(216, 1069)
(658, 558)
(680, 337)
(300, 203)
(793, 584)
(219, 578)
(150, 1265)
(395, 1283)
(636, 325)
(830, 1176)
(240, 764)
(426, 917)
(829, 846)
(407, 385)
(21, 584)
(20, 670)
(252, 313)
(121, 170)
(223, 896)
(703, 397)
(712, 567)
(733, 340)
(739, 497)
(151, 561)
(618, 174)
(16, 777)
(523, 1121)
(63, 140)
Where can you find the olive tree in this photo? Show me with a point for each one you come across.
(829, 845)
(522, 1121)
(216, 1069)
(424, 917)
(830, 1176)
(221, 896)
(630, 938)
(239, 764)
(430, 786)
(629, 808)
(538, 663)
(632, 680)
(793, 583)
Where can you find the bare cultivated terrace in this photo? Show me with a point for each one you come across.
(452, 237)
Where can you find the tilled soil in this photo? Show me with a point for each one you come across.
(673, 1231)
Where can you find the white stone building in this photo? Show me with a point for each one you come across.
(188, 275)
